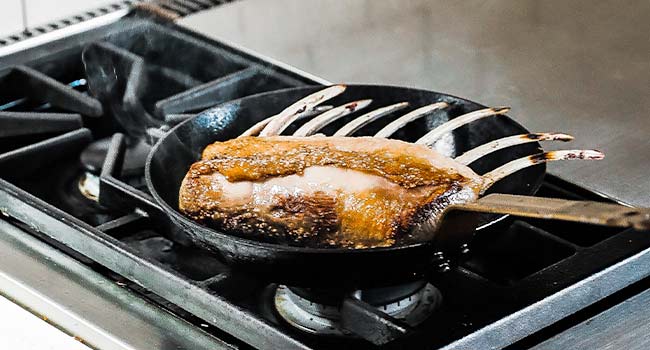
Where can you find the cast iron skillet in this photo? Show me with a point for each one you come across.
(173, 154)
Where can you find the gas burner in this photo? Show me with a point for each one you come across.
(68, 187)
(93, 156)
(319, 312)
(89, 186)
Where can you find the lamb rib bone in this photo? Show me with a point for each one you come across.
(493, 146)
(514, 166)
(257, 128)
(432, 136)
(293, 112)
(322, 120)
(361, 121)
(399, 123)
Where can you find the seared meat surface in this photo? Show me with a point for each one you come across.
(353, 192)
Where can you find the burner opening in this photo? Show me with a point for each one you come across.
(67, 187)
(195, 264)
(92, 157)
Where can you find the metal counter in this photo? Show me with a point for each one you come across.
(86, 305)
(624, 326)
(581, 67)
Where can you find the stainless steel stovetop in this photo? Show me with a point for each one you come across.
(120, 284)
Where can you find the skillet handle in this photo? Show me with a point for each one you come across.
(588, 212)
(459, 222)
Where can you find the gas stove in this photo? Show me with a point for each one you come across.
(78, 117)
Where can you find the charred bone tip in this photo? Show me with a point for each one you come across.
(548, 136)
(500, 110)
(521, 163)
(566, 155)
(353, 106)
(509, 141)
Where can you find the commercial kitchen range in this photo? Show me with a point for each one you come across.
(82, 100)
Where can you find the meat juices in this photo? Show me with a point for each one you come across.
(356, 192)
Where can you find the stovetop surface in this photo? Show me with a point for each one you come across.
(64, 104)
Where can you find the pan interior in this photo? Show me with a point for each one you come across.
(177, 150)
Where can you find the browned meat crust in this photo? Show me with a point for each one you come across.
(256, 158)
(415, 190)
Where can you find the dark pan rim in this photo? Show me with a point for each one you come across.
(177, 216)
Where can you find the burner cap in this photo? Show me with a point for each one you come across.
(89, 186)
(302, 311)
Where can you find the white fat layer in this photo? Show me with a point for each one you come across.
(314, 179)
